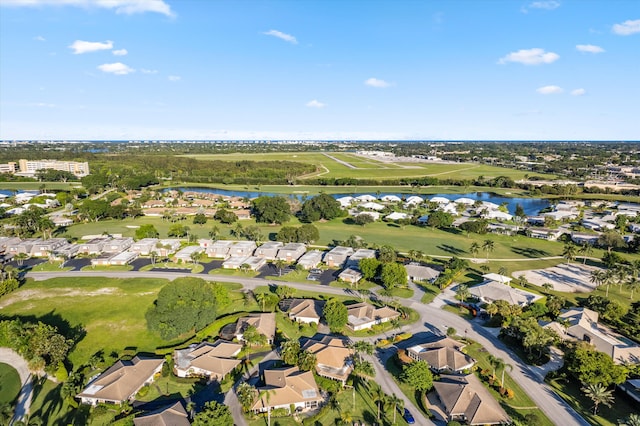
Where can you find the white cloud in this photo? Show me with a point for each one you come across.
(627, 27)
(127, 7)
(79, 46)
(315, 104)
(589, 48)
(43, 105)
(533, 56)
(146, 71)
(549, 90)
(578, 92)
(283, 36)
(120, 52)
(174, 78)
(39, 38)
(376, 82)
(117, 68)
(547, 5)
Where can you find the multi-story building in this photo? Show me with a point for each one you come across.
(28, 167)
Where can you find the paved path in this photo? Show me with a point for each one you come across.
(438, 321)
(344, 163)
(11, 357)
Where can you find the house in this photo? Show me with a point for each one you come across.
(8, 241)
(417, 272)
(167, 247)
(333, 356)
(252, 262)
(185, 255)
(391, 199)
(413, 200)
(491, 291)
(211, 360)
(174, 415)
(269, 250)
(374, 215)
(397, 216)
(496, 214)
(117, 245)
(365, 198)
(66, 251)
(354, 259)
(337, 256)
(145, 246)
(124, 258)
(372, 206)
(562, 214)
(345, 201)
(264, 323)
(443, 355)
(288, 388)
(632, 389)
(350, 275)
(439, 200)
(102, 260)
(582, 238)
(22, 246)
(122, 381)
(583, 325)
(220, 249)
(45, 248)
(242, 214)
(503, 279)
(363, 315)
(465, 399)
(310, 259)
(93, 246)
(464, 200)
(545, 233)
(242, 248)
(291, 252)
(306, 310)
(597, 224)
(61, 221)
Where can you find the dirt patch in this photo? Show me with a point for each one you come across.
(574, 278)
(46, 293)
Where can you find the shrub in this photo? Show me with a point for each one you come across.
(143, 391)
(510, 393)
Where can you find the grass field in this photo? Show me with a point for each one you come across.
(9, 383)
(32, 186)
(366, 168)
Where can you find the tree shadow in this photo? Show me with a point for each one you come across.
(529, 252)
(451, 249)
(75, 333)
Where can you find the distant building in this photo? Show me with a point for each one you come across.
(29, 168)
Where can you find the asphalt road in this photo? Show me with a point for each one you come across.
(438, 321)
(11, 357)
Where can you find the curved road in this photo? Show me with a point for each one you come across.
(11, 357)
(544, 397)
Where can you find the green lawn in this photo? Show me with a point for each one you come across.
(50, 267)
(9, 383)
(48, 405)
(170, 388)
(293, 330)
(56, 186)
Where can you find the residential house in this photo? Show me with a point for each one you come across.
(220, 249)
(582, 238)
(443, 354)
(465, 399)
(167, 247)
(117, 245)
(354, 259)
(102, 260)
(211, 360)
(337, 256)
(502, 228)
(365, 198)
(391, 199)
(345, 202)
(582, 324)
(185, 255)
(265, 324)
(374, 215)
(242, 248)
(145, 246)
(269, 250)
(397, 216)
(364, 315)
(21, 246)
(496, 214)
(242, 214)
(287, 388)
(291, 252)
(61, 221)
(310, 259)
(252, 262)
(93, 246)
(333, 356)
(545, 233)
(491, 291)
(306, 310)
(123, 258)
(417, 272)
(350, 275)
(174, 415)
(8, 241)
(413, 200)
(66, 251)
(372, 206)
(44, 248)
(122, 381)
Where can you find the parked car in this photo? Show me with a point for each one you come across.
(408, 417)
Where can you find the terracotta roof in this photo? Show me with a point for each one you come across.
(264, 323)
(286, 386)
(214, 358)
(122, 380)
(306, 308)
(466, 396)
(174, 415)
(332, 355)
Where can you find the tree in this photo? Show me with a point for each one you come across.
(290, 352)
(393, 274)
(246, 395)
(598, 394)
(271, 209)
(285, 292)
(262, 298)
(363, 347)
(387, 254)
(462, 292)
(146, 231)
(611, 239)
(182, 305)
(418, 375)
(322, 206)
(488, 246)
(592, 367)
(199, 219)
(504, 367)
(569, 252)
(178, 230)
(632, 420)
(214, 414)
(520, 211)
(495, 362)
(474, 248)
(287, 234)
(307, 234)
(214, 232)
(379, 397)
(439, 219)
(280, 264)
(585, 250)
(363, 218)
(307, 361)
(369, 268)
(335, 314)
(225, 216)
(252, 337)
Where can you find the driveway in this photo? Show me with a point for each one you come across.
(11, 357)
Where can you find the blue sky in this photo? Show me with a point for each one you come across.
(209, 69)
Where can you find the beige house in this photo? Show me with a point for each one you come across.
(211, 360)
(264, 323)
(306, 310)
(443, 355)
(310, 259)
(291, 252)
(121, 382)
(363, 315)
(287, 387)
(334, 357)
(174, 415)
(337, 256)
(350, 275)
(465, 399)
(269, 250)
(491, 291)
(583, 325)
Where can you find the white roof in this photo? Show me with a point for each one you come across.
(497, 277)
(397, 216)
(440, 200)
(391, 198)
(497, 214)
(372, 206)
(465, 200)
(414, 199)
(365, 198)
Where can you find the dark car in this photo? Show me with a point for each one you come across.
(408, 417)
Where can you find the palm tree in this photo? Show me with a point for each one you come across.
(492, 309)
(547, 287)
(633, 283)
(569, 252)
(280, 264)
(632, 420)
(597, 277)
(262, 299)
(504, 367)
(585, 249)
(397, 403)
(462, 292)
(362, 347)
(502, 270)
(496, 363)
(598, 394)
(474, 249)
(379, 397)
(266, 394)
(488, 246)
(345, 417)
(246, 395)
(214, 232)
(20, 258)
